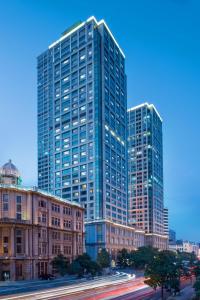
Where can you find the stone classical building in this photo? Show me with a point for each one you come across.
(34, 227)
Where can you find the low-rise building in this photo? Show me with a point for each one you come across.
(113, 237)
(186, 246)
(35, 227)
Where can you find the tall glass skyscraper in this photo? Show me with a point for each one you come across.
(82, 115)
(145, 156)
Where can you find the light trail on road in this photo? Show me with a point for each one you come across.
(114, 286)
(110, 292)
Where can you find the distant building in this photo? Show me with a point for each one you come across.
(34, 227)
(187, 246)
(172, 237)
(145, 170)
(190, 247)
(172, 247)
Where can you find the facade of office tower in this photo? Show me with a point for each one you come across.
(82, 124)
(145, 156)
(166, 221)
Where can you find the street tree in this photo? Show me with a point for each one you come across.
(197, 289)
(141, 257)
(185, 257)
(196, 270)
(123, 258)
(60, 263)
(103, 259)
(162, 271)
(84, 265)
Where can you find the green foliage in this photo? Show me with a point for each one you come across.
(197, 269)
(84, 265)
(103, 258)
(84, 260)
(60, 263)
(185, 256)
(123, 258)
(94, 268)
(141, 257)
(163, 271)
(76, 269)
(197, 285)
(152, 282)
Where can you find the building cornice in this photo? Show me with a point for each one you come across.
(37, 191)
(115, 224)
(92, 18)
(150, 106)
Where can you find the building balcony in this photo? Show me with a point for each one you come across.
(14, 221)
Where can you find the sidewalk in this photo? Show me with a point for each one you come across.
(186, 294)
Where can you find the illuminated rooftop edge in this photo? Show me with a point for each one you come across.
(158, 235)
(92, 18)
(115, 224)
(150, 106)
(36, 190)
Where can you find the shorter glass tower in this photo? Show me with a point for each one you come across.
(145, 157)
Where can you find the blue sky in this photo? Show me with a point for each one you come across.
(161, 40)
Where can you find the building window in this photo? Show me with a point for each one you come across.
(42, 268)
(55, 249)
(67, 237)
(67, 224)
(5, 202)
(56, 235)
(55, 207)
(18, 270)
(67, 210)
(44, 248)
(42, 203)
(5, 245)
(78, 214)
(18, 241)
(55, 221)
(78, 225)
(67, 250)
(42, 218)
(19, 207)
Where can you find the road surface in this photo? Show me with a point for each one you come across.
(102, 288)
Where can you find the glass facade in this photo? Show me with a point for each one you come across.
(82, 108)
(145, 155)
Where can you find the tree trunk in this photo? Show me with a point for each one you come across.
(162, 292)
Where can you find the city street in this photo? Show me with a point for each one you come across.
(116, 288)
(97, 289)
